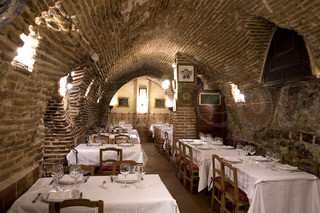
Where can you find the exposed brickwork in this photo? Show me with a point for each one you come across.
(226, 40)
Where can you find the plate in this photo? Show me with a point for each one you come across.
(126, 144)
(232, 159)
(131, 178)
(66, 194)
(286, 167)
(68, 180)
(259, 158)
(226, 147)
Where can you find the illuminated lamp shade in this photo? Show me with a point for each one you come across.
(165, 84)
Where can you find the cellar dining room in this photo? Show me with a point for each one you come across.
(160, 106)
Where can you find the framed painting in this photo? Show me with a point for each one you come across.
(159, 103)
(185, 73)
(123, 102)
(209, 99)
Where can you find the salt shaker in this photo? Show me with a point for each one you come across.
(104, 184)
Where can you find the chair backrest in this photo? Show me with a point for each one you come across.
(177, 150)
(56, 206)
(231, 180)
(117, 156)
(187, 154)
(84, 169)
(289, 158)
(122, 139)
(217, 167)
(116, 165)
(309, 166)
(105, 138)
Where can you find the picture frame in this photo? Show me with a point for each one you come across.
(123, 102)
(186, 73)
(209, 99)
(159, 103)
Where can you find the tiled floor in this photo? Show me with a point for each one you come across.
(188, 203)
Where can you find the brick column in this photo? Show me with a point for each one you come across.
(184, 118)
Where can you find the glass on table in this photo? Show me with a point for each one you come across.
(75, 172)
(140, 171)
(57, 173)
(125, 170)
(252, 150)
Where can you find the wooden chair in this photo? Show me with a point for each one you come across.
(105, 138)
(289, 158)
(178, 159)
(122, 139)
(55, 207)
(84, 169)
(191, 170)
(167, 146)
(309, 166)
(218, 171)
(232, 193)
(116, 165)
(106, 165)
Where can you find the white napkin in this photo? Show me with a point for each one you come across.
(67, 179)
(129, 177)
(59, 195)
(286, 167)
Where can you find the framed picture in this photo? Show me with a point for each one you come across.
(159, 103)
(209, 98)
(185, 73)
(123, 102)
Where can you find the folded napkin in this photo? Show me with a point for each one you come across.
(59, 195)
(67, 179)
(286, 167)
(129, 177)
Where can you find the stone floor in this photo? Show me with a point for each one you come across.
(157, 164)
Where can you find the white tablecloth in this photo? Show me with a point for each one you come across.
(277, 191)
(153, 198)
(202, 158)
(134, 136)
(89, 155)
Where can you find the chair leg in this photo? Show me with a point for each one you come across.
(191, 183)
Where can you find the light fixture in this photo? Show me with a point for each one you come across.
(69, 81)
(165, 86)
(170, 109)
(110, 107)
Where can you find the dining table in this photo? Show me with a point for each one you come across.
(153, 197)
(202, 155)
(89, 155)
(133, 134)
(274, 187)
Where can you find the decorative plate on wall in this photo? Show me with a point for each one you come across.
(9, 10)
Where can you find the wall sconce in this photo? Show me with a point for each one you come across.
(110, 107)
(170, 109)
(69, 81)
(165, 86)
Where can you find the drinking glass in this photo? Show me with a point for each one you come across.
(138, 169)
(125, 170)
(57, 173)
(201, 136)
(239, 148)
(252, 150)
(143, 172)
(75, 172)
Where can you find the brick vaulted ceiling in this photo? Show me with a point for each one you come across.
(226, 39)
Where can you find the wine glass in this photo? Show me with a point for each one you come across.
(75, 172)
(125, 170)
(201, 136)
(239, 147)
(57, 173)
(142, 172)
(138, 169)
(252, 150)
